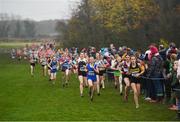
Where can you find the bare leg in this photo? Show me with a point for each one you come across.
(120, 84)
(133, 85)
(98, 83)
(81, 85)
(127, 85)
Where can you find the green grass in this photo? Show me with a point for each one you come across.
(23, 97)
(15, 44)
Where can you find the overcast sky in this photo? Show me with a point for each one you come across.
(39, 9)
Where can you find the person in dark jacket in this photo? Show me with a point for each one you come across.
(155, 72)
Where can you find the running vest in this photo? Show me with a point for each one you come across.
(54, 65)
(134, 70)
(101, 65)
(66, 64)
(81, 65)
(43, 61)
(91, 72)
(125, 67)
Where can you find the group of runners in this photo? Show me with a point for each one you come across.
(154, 73)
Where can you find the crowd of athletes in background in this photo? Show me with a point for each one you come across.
(155, 73)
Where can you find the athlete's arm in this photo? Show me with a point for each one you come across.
(142, 69)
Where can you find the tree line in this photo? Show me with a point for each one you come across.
(13, 27)
(135, 23)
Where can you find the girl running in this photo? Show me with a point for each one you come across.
(65, 63)
(32, 61)
(48, 65)
(74, 66)
(114, 63)
(102, 70)
(118, 73)
(87, 59)
(53, 66)
(82, 74)
(91, 76)
(19, 54)
(97, 62)
(125, 69)
(43, 62)
(135, 70)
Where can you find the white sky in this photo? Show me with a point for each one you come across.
(39, 9)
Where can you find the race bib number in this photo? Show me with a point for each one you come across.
(82, 69)
(91, 73)
(54, 67)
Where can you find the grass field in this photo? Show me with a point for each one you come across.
(23, 97)
(7, 45)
